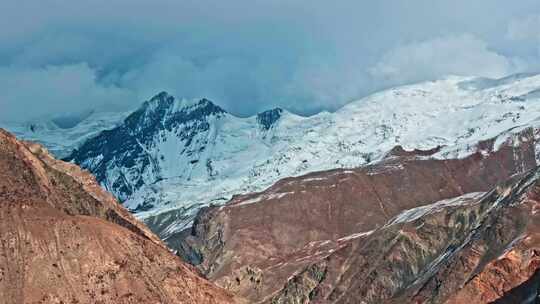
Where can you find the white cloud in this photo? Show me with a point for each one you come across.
(452, 55)
(524, 28)
(302, 55)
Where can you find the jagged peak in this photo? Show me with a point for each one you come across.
(165, 109)
(163, 95)
(269, 117)
(207, 103)
(167, 103)
(159, 101)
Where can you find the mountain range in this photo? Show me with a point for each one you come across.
(423, 193)
(172, 156)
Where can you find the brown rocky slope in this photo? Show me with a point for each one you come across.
(65, 240)
(477, 248)
(295, 242)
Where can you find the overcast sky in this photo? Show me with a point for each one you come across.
(64, 56)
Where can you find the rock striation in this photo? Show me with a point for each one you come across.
(298, 238)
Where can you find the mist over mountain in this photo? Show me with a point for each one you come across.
(77, 56)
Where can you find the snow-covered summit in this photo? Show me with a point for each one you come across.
(163, 105)
(172, 156)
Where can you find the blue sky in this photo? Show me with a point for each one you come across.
(68, 56)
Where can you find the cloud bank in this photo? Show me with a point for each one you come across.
(456, 55)
(61, 57)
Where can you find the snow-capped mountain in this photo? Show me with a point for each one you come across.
(171, 156)
(63, 134)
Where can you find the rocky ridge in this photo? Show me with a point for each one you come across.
(477, 248)
(63, 239)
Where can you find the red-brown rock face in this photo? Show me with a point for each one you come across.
(478, 248)
(273, 246)
(65, 240)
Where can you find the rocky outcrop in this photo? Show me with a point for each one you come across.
(65, 240)
(285, 230)
(472, 249)
(302, 287)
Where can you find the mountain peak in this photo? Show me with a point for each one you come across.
(160, 101)
(209, 105)
(163, 95)
(164, 103)
(268, 118)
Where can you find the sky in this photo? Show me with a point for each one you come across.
(67, 56)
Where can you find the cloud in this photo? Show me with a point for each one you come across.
(245, 85)
(57, 90)
(523, 34)
(453, 55)
(525, 28)
(248, 55)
